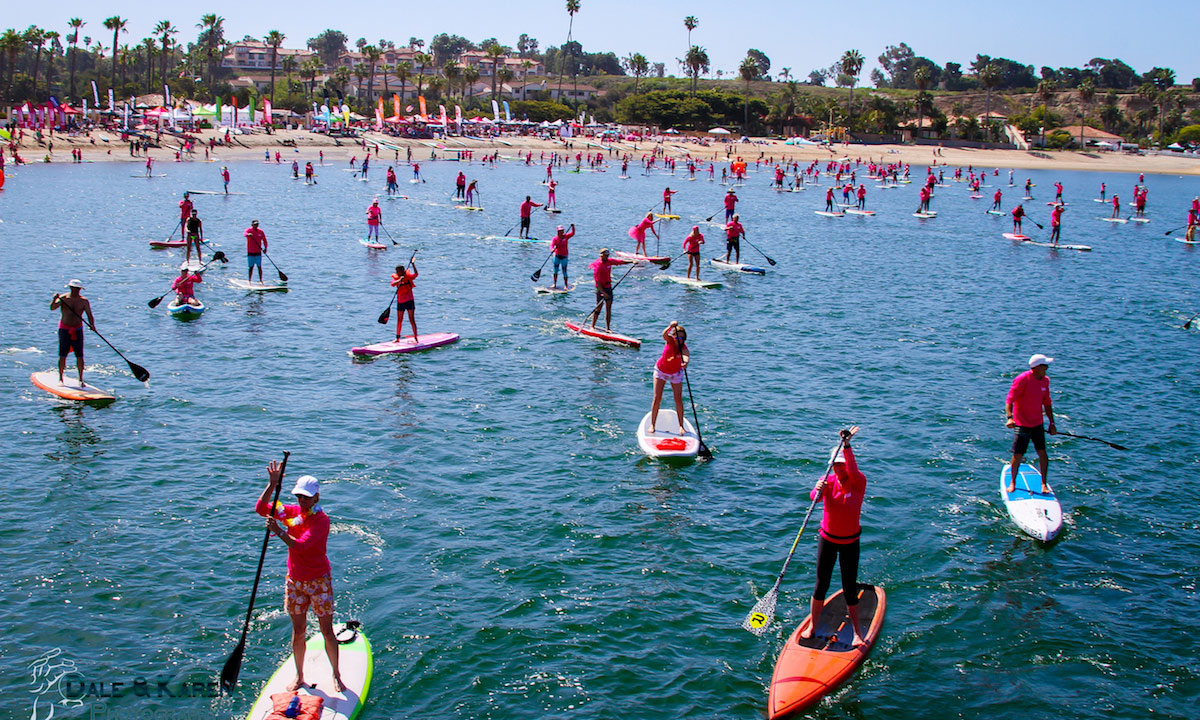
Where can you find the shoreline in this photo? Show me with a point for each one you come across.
(106, 147)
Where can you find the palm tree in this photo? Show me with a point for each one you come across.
(639, 66)
(451, 71)
(505, 75)
(309, 69)
(989, 78)
(372, 54)
(1149, 92)
(785, 74)
(386, 70)
(35, 37)
(148, 48)
(11, 43)
(851, 65)
(73, 38)
(403, 71)
(921, 78)
(470, 75)
(690, 22)
(52, 37)
(125, 55)
(164, 30)
(416, 43)
(289, 65)
(572, 8)
(435, 86)
(1045, 91)
(1164, 80)
(211, 26)
(748, 71)
(424, 60)
(526, 64)
(274, 38)
(117, 25)
(696, 63)
(360, 73)
(494, 53)
(1087, 91)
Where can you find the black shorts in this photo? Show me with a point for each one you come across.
(406, 305)
(67, 345)
(603, 294)
(732, 243)
(1023, 435)
(525, 223)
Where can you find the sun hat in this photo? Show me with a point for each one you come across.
(1039, 359)
(307, 485)
(75, 283)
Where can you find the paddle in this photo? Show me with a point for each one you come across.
(760, 252)
(1185, 227)
(509, 231)
(760, 616)
(1188, 324)
(1085, 437)
(710, 217)
(704, 451)
(282, 277)
(596, 310)
(538, 273)
(389, 233)
(233, 666)
(667, 264)
(217, 256)
(178, 224)
(387, 311)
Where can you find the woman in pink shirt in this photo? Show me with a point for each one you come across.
(638, 233)
(842, 495)
(691, 245)
(669, 369)
(1028, 396)
(184, 287)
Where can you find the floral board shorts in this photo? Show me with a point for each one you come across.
(298, 595)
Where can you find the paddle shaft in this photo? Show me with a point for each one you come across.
(538, 273)
(389, 232)
(1172, 230)
(1085, 437)
(282, 277)
(228, 674)
(596, 310)
(760, 252)
(1188, 324)
(704, 451)
(139, 372)
(177, 226)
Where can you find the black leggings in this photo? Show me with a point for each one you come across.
(847, 557)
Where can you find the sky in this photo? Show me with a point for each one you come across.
(799, 36)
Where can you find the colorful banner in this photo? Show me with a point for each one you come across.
(166, 95)
(250, 117)
(379, 115)
(111, 105)
(95, 95)
(395, 104)
(458, 118)
(217, 119)
(233, 101)
(496, 111)
(346, 114)
(421, 103)
(507, 114)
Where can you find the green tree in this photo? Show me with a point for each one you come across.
(328, 46)
(117, 25)
(52, 40)
(1087, 91)
(494, 53)
(163, 31)
(762, 63)
(274, 38)
(452, 71)
(1045, 91)
(989, 78)
(75, 24)
(696, 62)
(850, 66)
(690, 22)
(572, 8)
(11, 44)
(35, 37)
(212, 36)
(748, 71)
(309, 69)
(423, 61)
(526, 65)
(470, 75)
(372, 54)
(639, 66)
(289, 64)
(921, 79)
(404, 72)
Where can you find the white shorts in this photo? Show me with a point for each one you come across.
(673, 378)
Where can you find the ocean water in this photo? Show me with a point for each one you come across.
(509, 550)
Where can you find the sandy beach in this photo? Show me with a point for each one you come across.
(105, 146)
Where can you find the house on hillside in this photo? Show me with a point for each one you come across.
(256, 55)
(1091, 136)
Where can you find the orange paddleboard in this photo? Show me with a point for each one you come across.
(808, 670)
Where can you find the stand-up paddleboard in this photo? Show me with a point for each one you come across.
(1139, 220)
(1114, 220)
(70, 388)
(372, 245)
(1052, 246)
(995, 212)
(856, 211)
(554, 211)
(605, 335)
(809, 669)
(1037, 514)
(826, 213)
(257, 286)
(158, 244)
(213, 192)
(1099, 200)
(1187, 242)
(186, 310)
(357, 666)
(147, 177)
(1015, 236)
(407, 344)
(737, 267)
(660, 216)
(468, 207)
(1052, 203)
(925, 215)
(191, 265)
(689, 282)
(512, 239)
(976, 197)
(547, 290)
(1026, 197)
(414, 181)
(634, 257)
(665, 441)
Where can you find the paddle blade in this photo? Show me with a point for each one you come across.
(154, 303)
(770, 260)
(758, 621)
(233, 667)
(220, 256)
(537, 274)
(282, 276)
(704, 452)
(1187, 324)
(139, 372)
(383, 316)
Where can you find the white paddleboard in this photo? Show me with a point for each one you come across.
(70, 388)
(185, 310)
(1114, 220)
(372, 245)
(355, 662)
(666, 441)
(690, 282)
(547, 290)
(737, 267)
(855, 211)
(826, 213)
(257, 286)
(925, 215)
(1038, 515)
(1052, 246)
(1014, 236)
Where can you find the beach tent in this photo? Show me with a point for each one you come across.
(719, 131)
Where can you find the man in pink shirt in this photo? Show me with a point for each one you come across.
(526, 210)
(601, 269)
(309, 579)
(256, 245)
(374, 217)
(1029, 394)
(558, 247)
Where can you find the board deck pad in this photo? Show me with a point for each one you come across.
(1037, 514)
(357, 666)
(666, 441)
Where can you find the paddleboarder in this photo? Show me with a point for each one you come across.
(225, 178)
(558, 246)
(374, 218)
(184, 287)
(402, 280)
(1028, 396)
(471, 189)
(551, 200)
(667, 193)
(256, 245)
(638, 233)
(828, 202)
(602, 276)
(691, 245)
(669, 369)
(1017, 213)
(731, 200)
(460, 186)
(1056, 222)
(195, 231)
(309, 177)
(1116, 206)
(841, 494)
(70, 326)
(1192, 220)
(526, 210)
(996, 200)
(185, 212)
(309, 583)
(733, 236)
(392, 187)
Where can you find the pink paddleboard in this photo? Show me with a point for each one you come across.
(1012, 236)
(603, 334)
(407, 344)
(634, 257)
(167, 243)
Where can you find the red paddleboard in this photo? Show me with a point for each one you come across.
(604, 335)
(407, 344)
(1014, 236)
(633, 257)
(808, 670)
(168, 243)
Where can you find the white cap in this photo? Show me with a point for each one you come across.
(307, 485)
(75, 283)
(837, 456)
(1039, 359)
